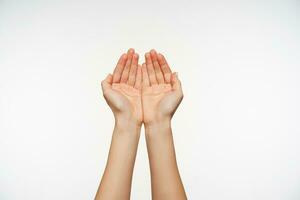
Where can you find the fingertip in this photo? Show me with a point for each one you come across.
(174, 76)
(152, 51)
(159, 56)
(130, 50)
(124, 56)
(108, 80)
(175, 82)
(136, 56)
(167, 77)
(153, 54)
(108, 76)
(148, 59)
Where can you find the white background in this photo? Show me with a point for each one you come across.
(237, 132)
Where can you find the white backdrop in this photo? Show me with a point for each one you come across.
(237, 132)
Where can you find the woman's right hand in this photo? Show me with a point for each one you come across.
(122, 90)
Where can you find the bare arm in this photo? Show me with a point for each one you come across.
(122, 93)
(165, 179)
(117, 177)
(161, 95)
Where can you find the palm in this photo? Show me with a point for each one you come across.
(161, 90)
(127, 99)
(156, 98)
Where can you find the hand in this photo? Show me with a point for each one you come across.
(151, 94)
(122, 90)
(161, 89)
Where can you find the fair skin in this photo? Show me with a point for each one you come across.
(149, 95)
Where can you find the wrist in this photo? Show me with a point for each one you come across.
(158, 121)
(158, 126)
(127, 119)
(127, 125)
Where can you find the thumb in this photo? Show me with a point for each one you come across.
(106, 83)
(176, 85)
(175, 82)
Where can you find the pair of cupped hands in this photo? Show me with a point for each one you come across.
(146, 93)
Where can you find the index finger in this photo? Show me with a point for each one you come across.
(164, 67)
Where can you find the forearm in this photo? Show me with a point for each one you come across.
(116, 180)
(165, 179)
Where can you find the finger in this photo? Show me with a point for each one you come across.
(125, 72)
(150, 69)
(145, 77)
(158, 72)
(138, 79)
(119, 68)
(133, 68)
(106, 83)
(175, 82)
(164, 67)
(176, 87)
